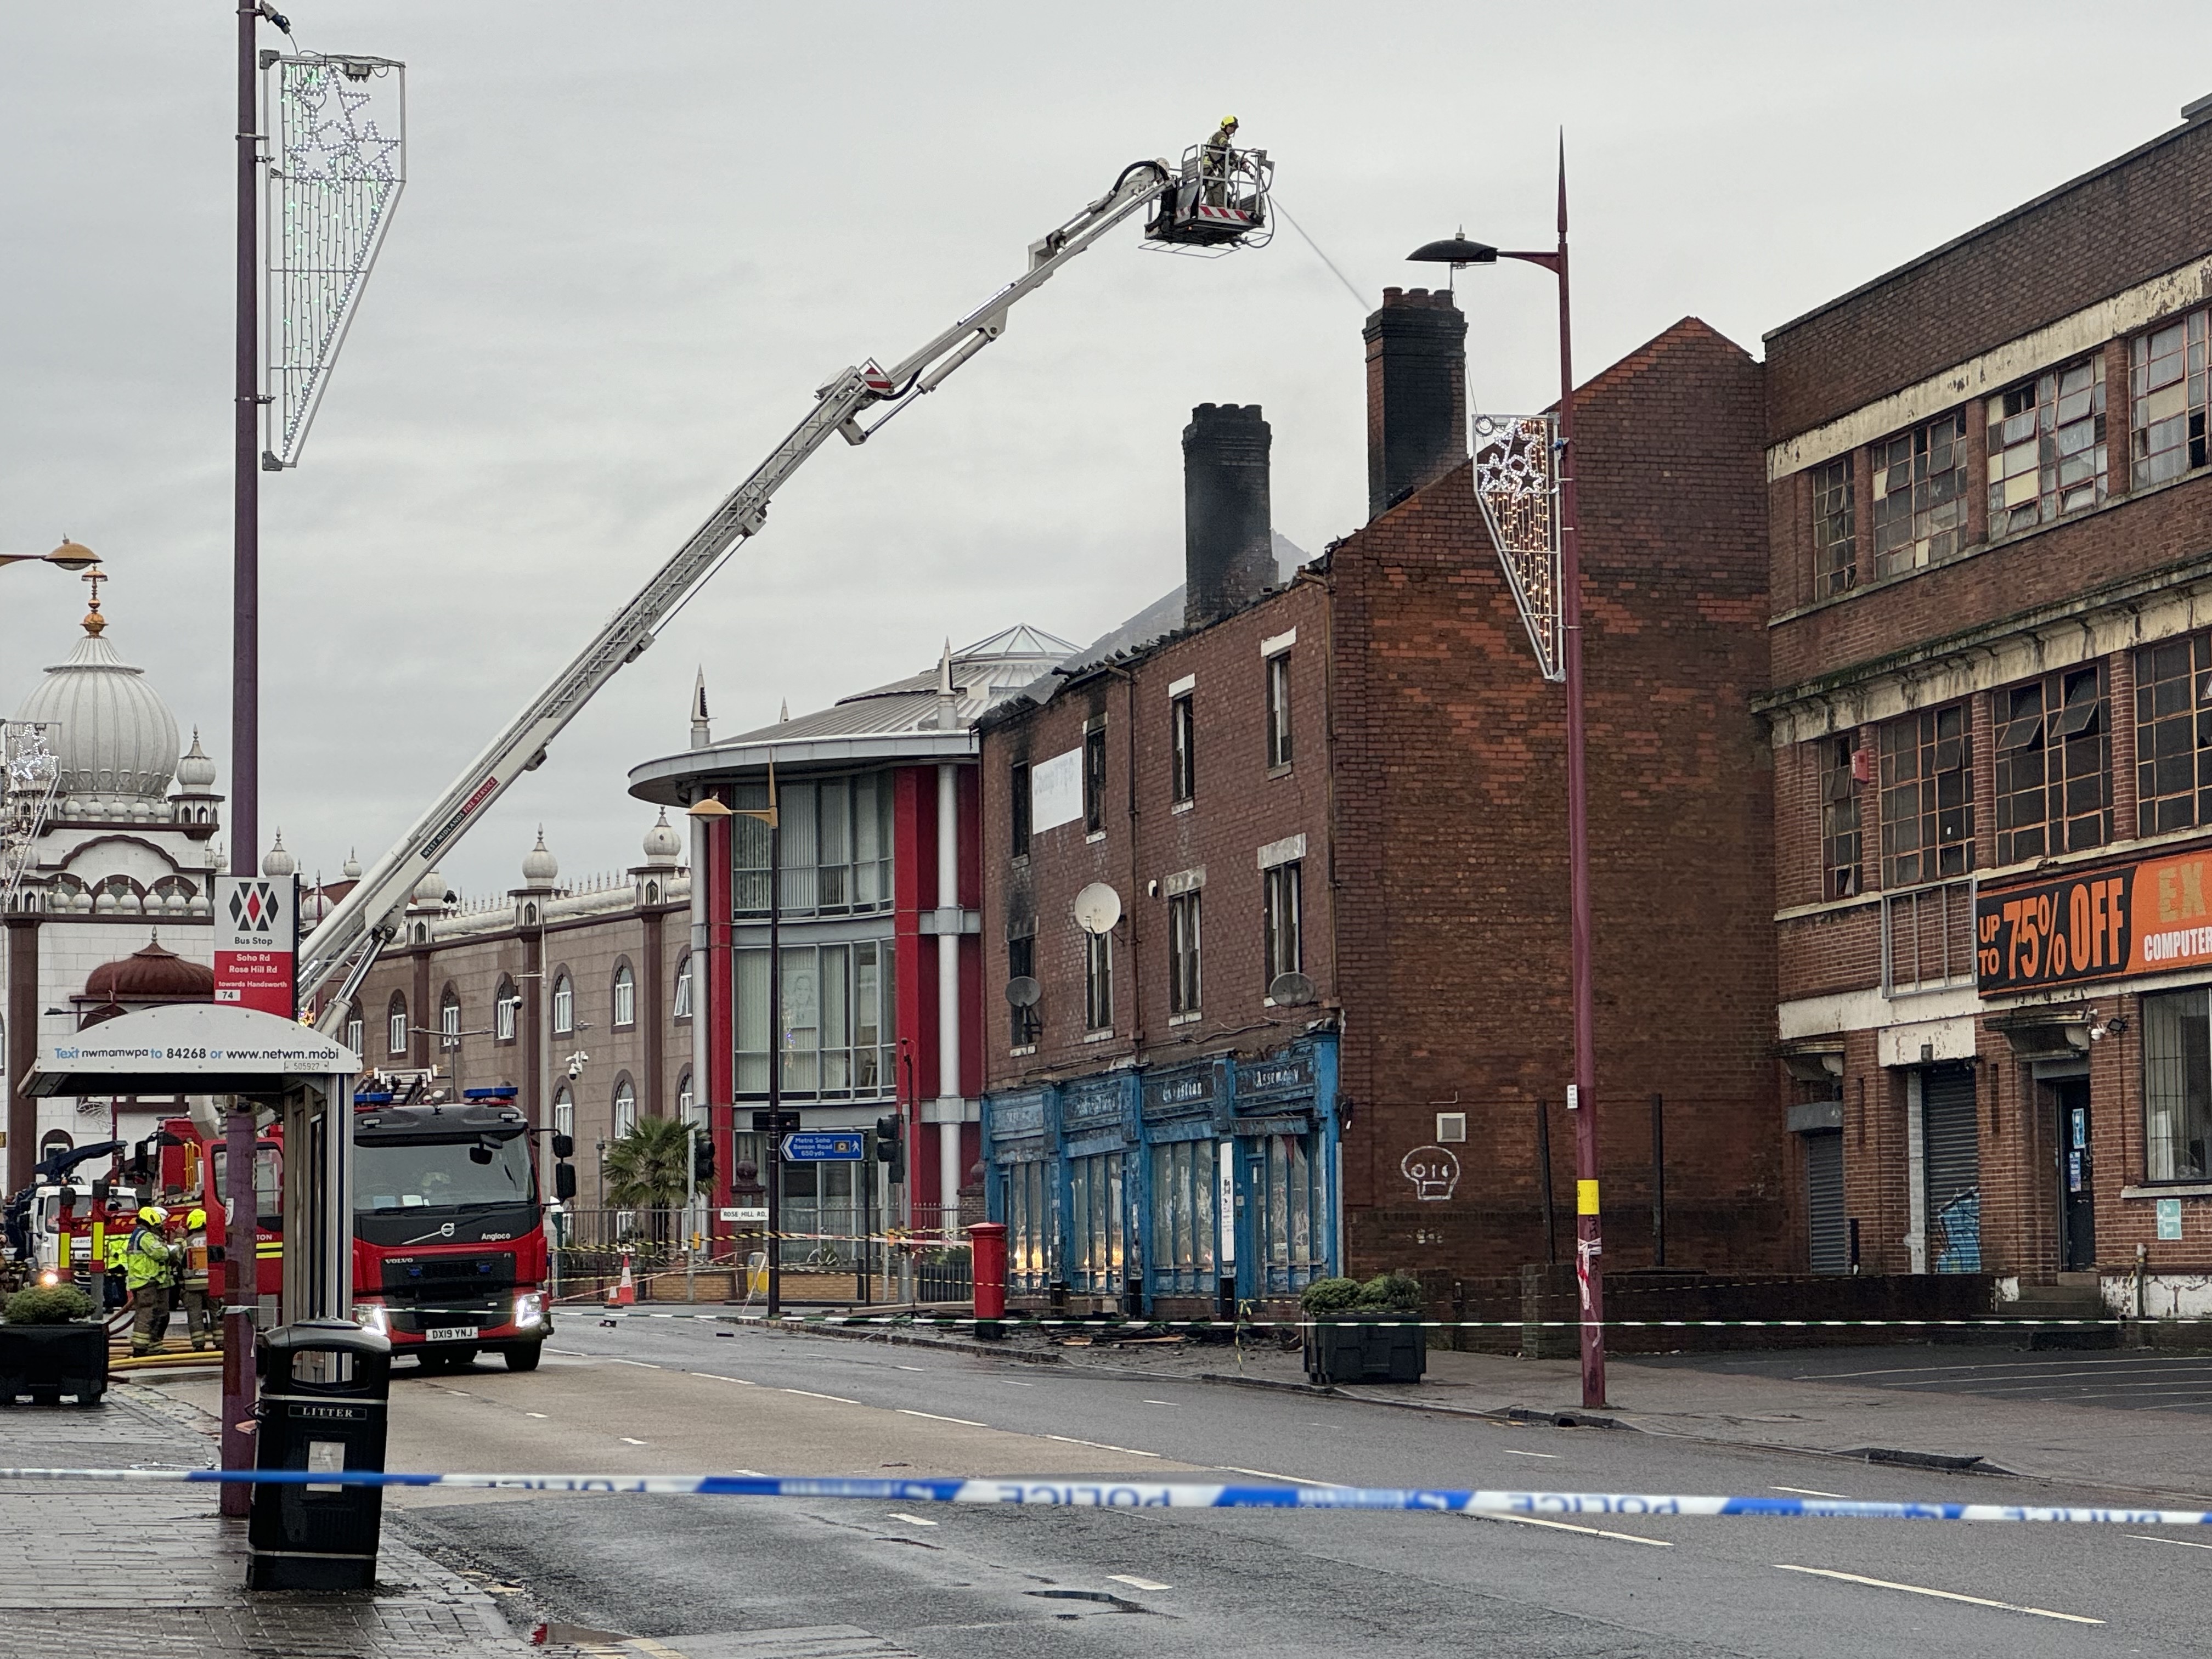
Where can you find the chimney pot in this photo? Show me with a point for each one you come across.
(1229, 557)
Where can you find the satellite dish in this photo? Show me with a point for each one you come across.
(1098, 908)
(1290, 990)
(1023, 990)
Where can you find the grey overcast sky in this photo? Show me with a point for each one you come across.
(637, 237)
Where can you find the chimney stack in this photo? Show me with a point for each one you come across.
(1228, 530)
(1416, 392)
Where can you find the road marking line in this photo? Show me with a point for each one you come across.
(1156, 1402)
(1269, 1474)
(626, 1441)
(1510, 1452)
(1135, 1583)
(646, 1644)
(719, 1377)
(1011, 1384)
(915, 1368)
(1807, 1491)
(911, 1520)
(535, 1415)
(935, 1417)
(640, 1364)
(1944, 1595)
(1593, 1532)
(2151, 1538)
(1100, 1445)
(839, 1398)
(575, 1353)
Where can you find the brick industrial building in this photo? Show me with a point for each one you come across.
(1991, 717)
(1313, 1023)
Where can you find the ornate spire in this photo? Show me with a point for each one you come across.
(93, 621)
(702, 735)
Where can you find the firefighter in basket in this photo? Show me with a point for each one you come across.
(1214, 157)
(149, 1270)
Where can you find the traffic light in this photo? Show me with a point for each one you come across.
(703, 1154)
(890, 1146)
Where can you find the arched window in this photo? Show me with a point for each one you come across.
(565, 1112)
(625, 995)
(505, 1010)
(395, 1026)
(529, 915)
(625, 1105)
(55, 1140)
(681, 1007)
(688, 1108)
(421, 933)
(354, 1034)
(565, 1005)
(449, 1018)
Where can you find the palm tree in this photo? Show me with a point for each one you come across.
(650, 1169)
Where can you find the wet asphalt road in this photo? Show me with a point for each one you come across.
(965, 1581)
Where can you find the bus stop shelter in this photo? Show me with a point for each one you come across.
(261, 1059)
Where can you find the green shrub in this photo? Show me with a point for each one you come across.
(1327, 1296)
(50, 1304)
(1392, 1292)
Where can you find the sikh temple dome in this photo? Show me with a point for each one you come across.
(111, 732)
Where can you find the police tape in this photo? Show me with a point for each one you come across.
(1128, 1494)
(925, 1322)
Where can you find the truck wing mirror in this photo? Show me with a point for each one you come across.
(564, 1182)
(564, 1146)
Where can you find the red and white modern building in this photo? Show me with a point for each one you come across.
(879, 920)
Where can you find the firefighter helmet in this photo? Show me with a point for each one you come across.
(195, 1219)
(153, 1215)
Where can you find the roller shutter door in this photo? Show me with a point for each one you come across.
(1952, 1152)
(1824, 1201)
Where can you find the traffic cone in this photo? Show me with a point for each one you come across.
(625, 1291)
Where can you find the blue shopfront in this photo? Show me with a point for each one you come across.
(1162, 1189)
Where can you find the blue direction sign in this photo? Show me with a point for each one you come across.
(825, 1147)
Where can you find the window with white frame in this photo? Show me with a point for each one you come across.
(625, 1106)
(356, 1036)
(625, 997)
(1182, 741)
(1278, 709)
(840, 1022)
(564, 1005)
(680, 1004)
(1183, 953)
(395, 1026)
(565, 1112)
(449, 1019)
(689, 1108)
(504, 1011)
(1098, 981)
(1283, 918)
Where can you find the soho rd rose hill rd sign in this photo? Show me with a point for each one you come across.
(256, 938)
(2117, 920)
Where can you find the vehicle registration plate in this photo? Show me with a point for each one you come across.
(449, 1334)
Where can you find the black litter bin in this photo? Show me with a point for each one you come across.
(325, 1387)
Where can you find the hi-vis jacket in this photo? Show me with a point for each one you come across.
(146, 1259)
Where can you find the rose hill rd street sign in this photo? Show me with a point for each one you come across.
(256, 940)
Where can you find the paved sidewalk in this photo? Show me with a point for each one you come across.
(155, 1572)
(1795, 1400)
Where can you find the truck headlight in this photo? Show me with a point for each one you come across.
(372, 1318)
(530, 1309)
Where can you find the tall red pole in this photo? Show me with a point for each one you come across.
(241, 1272)
(1589, 1277)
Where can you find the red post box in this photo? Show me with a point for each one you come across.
(988, 1239)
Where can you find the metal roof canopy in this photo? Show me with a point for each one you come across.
(189, 1048)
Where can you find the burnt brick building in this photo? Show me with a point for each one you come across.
(1278, 895)
(1991, 719)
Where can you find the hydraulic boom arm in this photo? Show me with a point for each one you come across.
(357, 927)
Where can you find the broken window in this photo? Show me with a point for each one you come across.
(2047, 447)
(2174, 735)
(1278, 709)
(1183, 954)
(1920, 495)
(1927, 797)
(2166, 379)
(1098, 981)
(2054, 784)
(1182, 743)
(1021, 963)
(1834, 546)
(1094, 776)
(1840, 817)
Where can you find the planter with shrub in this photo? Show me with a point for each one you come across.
(1368, 1332)
(52, 1344)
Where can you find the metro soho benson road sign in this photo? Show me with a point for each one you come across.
(825, 1147)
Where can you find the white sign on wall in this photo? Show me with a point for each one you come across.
(1057, 791)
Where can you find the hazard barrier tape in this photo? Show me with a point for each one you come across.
(1129, 1494)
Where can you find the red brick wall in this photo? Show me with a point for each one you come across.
(2145, 214)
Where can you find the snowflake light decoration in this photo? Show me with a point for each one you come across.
(1517, 484)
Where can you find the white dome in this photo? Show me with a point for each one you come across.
(351, 868)
(278, 862)
(116, 736)
(662, 844)
(431, 891)
(194, 771)
(539, 867)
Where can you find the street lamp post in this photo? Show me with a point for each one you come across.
(1582, 1095)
